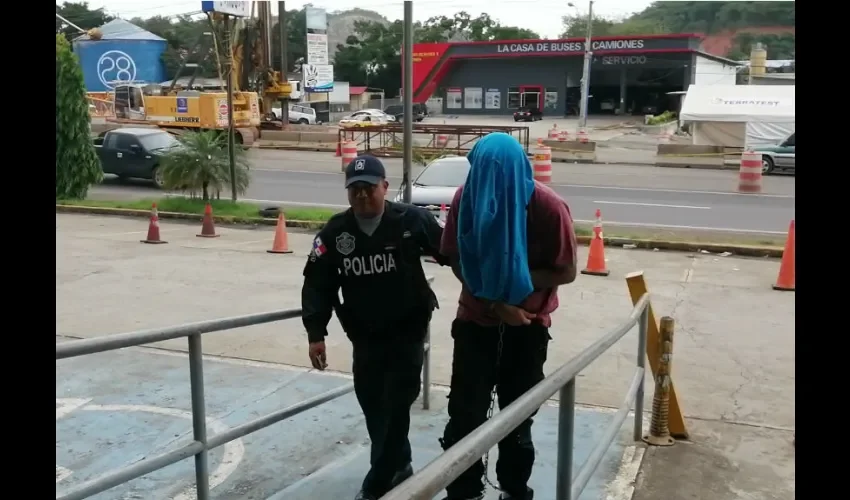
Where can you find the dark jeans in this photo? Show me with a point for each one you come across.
(387, 382)
(474, 372)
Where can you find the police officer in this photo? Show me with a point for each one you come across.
(372, 252)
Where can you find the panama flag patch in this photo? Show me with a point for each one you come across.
(318, 247)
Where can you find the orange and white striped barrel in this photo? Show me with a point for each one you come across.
(582, 135)
(349, 153)
(442, 140)
(749, 176)
(554, 132)
(542, 164)
(564, 136)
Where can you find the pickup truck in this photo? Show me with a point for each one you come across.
(134, 152)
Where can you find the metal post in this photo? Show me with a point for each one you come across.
(231, 140)
(284, 65)
(643, 326)
(199, 415)
(585, 73)
(407, 91)
(426, 371)
(566, 429)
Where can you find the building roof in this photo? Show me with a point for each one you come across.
(740, 103)
(119, 29)
(357, 90)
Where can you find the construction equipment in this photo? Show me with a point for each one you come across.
(252, 65)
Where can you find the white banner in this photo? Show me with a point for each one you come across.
(317, 49)
(318, 78)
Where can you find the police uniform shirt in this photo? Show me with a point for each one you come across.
(380, 276)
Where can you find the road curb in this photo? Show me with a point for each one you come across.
(678, 246)
(219, 219)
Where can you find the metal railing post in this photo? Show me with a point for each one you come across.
(643, 327)
(659, 426)
(199, 415)
(426, 371)
(566, 429)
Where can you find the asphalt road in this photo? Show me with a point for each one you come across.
(674, 209)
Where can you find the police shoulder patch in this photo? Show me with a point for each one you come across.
(318, 248)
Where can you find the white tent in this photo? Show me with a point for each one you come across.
(739, 115)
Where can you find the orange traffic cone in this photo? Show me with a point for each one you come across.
(153, 228)
(787, 279)
(596, 257)
(281, 239)
(207, 227)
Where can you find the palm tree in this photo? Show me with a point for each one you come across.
(201, 164)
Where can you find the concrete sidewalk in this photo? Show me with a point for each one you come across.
(114, 408)
(733, 355)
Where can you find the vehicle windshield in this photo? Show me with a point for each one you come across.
(156, 142)
(448, 172)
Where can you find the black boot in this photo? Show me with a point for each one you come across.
(365, 495)
(529, 495)
(401, 475)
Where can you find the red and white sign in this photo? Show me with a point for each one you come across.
(222, 109)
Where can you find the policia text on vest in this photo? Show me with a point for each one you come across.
(387, 304)
(381, 277)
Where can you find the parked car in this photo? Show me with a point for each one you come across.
(420, 111)
(779, 157)
(134, 152)
(304, 115)
(437, 183)
(528, 114)
(365, 118)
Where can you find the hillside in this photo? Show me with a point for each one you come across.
(341, 25)
(726, 43)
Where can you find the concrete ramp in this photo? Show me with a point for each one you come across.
(114, 409)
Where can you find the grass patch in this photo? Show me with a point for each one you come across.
(222, 208)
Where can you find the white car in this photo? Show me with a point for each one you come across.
(304, 115)
(437, 184)
(365, 118)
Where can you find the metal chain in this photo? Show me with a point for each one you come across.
(486, 458)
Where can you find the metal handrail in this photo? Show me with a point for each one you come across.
(444, 469)
(201, 443)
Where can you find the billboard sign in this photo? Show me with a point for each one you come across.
(318, 78)
(317, 19)
(317, 49)
(238, 9)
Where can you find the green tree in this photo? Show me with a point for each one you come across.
(79, 14)
(463, 27)
(201, 165)
(372, 54)
(77, 164)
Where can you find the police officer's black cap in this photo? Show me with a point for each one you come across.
(365, 168)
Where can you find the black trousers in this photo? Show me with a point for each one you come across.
(387, 382)
(475, 370)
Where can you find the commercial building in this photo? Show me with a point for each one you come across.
(629, 75)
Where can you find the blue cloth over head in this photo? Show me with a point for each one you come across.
(492, 225)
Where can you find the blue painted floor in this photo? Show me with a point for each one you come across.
(114, 409)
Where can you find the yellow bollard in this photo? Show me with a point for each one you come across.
(659, 427)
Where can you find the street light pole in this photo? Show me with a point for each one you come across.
(585, 74)
(407, 100)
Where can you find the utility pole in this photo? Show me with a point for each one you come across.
(231, 78)
(281, 22)
(585, 74)
(407, 99)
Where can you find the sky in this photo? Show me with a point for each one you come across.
(542, 16)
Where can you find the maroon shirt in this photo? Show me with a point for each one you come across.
(551, 245)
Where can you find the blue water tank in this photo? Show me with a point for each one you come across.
(125, 53)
